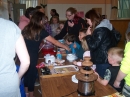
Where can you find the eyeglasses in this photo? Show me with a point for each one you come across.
(68, 15)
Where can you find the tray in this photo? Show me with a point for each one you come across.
(65, 69)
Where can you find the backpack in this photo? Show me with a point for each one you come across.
(115, 37)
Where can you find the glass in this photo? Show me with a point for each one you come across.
(68, 15)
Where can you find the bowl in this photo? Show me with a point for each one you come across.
(71, 57)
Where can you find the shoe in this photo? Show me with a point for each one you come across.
(37, 83)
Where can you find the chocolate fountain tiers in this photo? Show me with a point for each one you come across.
(86, 78)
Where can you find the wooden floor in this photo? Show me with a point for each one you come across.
(37, 91)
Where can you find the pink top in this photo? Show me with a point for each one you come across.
(86, 54)
(23, 22)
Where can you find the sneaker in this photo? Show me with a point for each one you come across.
(37, 83)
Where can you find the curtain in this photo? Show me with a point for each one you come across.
(114, 9)
(29, 3)
(42, 2)
(124, 9)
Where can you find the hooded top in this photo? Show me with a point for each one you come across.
(100, 41)
(105, 23)
(23, 22)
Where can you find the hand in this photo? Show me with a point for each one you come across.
(70, 24)
(117, 84)
(81, 60)
(75, 62)
(67, 48)
(88, 32)
(74, 45)
(97, 74)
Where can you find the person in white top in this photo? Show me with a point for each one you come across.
(11, 43)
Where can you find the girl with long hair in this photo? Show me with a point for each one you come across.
(33, 34)
(99, 41)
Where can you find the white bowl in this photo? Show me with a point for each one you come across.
(71, 57)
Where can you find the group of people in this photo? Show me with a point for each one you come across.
(87, 38)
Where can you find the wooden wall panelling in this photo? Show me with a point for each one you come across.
(121, 26)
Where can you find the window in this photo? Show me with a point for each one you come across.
(123, 8)
(29, 3)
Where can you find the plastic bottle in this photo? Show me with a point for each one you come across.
(59, 56)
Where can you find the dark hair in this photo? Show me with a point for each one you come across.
(95, 17)
(55, 12)
(38, 7)
(32, 30)
(29, 11)
(61, 23)
(70, 38)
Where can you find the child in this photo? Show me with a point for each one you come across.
(47, 26)
(54, 25)
(61, 25)
(115, 56)
(83, 51)
(70, 41)
(58, 30)
(80, 52)
(124, 72)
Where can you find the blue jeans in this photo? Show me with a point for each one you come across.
(22, 91)
(101, 68)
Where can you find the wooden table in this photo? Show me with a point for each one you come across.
(62, 85)
(59, 85)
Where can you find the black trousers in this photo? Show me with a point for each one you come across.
(30, 75)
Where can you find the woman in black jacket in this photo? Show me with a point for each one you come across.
(99, 41)
(73, 24)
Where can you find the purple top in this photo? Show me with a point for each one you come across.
(48, 28)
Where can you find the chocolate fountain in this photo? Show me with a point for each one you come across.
(86, 78)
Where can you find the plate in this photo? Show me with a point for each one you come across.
(65, 69)
(74, 79)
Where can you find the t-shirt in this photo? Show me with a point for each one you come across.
(9, 80)
(33, 45)
(73, 50)
(125, 67)
(111, 74)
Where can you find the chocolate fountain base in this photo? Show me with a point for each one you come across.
(88, 94)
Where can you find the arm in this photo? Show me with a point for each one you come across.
(62, 33)
(77, 63)
(97, 38)
(22, 24)
(119, 78)
(57, 43)
(106, 79)
(125, 66)
(102, 81)
(22, 53)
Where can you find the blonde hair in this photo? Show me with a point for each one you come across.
(84, 44)
(116, 52)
